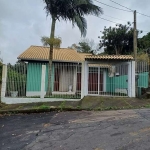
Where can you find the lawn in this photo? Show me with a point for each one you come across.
(87, 103)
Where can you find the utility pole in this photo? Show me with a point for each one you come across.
(135, 38)
(135, 53)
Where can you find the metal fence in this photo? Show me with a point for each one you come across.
(16, 80)
(108, 80)
(142, 77)
(24, 80)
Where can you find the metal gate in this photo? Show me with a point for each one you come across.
(108, 80)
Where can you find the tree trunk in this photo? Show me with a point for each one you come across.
(116, 50)
(49, 88)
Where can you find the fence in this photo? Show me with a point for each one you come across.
(30, 80)
(108, 80)
(142, 76)
(26, 80)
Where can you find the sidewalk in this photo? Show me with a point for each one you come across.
(88, 103)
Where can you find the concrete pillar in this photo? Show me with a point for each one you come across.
(84, 79)
(74, 78)
(4, 77)
(131, 79)
(86, 75)
(43, 81)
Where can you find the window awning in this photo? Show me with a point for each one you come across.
(99, 65)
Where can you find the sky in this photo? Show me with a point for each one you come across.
(24, 22)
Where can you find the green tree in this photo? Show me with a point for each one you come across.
(72, 10)
(144, 42)
(117, 40)
(86, 46)
(16, 78)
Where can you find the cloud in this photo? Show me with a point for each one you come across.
(23, 22)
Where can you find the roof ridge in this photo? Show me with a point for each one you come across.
(49, 47)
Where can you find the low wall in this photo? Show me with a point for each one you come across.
(8, 100)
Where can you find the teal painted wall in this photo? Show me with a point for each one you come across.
(34, 71)
(120, 82)
(116, 82)
(143, 80)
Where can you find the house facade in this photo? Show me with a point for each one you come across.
(73, 76)
(79, 73)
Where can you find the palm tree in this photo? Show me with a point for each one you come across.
(71, 10)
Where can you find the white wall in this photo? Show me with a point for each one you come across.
(11, 100)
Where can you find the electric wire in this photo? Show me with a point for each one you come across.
(112, 6)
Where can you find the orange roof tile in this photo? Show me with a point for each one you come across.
(64, 54)
(42, 53)
(127, 57)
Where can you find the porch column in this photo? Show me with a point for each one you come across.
(43, 81)
(131, 79)
(4, 77)
(84, 79)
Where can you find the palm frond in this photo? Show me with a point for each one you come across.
(81, 23)
(48, 41)
(45, 40)
(72, 10)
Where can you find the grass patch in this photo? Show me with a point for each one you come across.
(87, 103)
(62, 105)
(44, 107)
(113, 103)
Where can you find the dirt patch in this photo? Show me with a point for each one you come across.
(2, 105)
(87, 103)
(108, 103)
(96, 116)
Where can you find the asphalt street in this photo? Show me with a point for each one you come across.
(81, 130)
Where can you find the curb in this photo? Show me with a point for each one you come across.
(29, 111)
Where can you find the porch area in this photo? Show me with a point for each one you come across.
(105, 77)
(28, 82)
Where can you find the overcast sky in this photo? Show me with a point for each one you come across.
(23, 22)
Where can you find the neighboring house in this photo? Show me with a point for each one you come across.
(81, 73)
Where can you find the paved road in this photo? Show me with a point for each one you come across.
(109, 130)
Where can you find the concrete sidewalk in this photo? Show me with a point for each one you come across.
(88, 103)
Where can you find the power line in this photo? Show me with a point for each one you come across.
(143, 14)
(112, 6)
(116, 22)
(106, 19)
(129, 8)
(121, 5)
(116, 18)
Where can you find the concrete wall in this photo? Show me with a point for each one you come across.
(11, 100)
(114, 83)
(34, 73)
(67, 76)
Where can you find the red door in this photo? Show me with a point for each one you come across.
(78, 82)
(101, 81)
(93, 83)
(56, 80)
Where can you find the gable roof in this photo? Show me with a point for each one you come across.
(41, 53)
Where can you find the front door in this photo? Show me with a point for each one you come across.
(95, 80)
(101, 81)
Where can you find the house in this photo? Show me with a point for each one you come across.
(81, 74)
